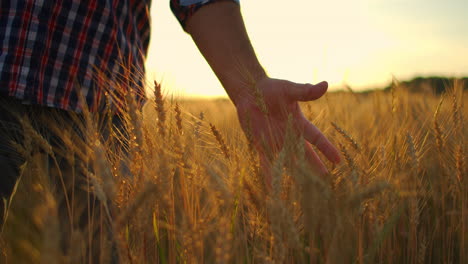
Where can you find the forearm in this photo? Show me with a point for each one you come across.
(219, 33)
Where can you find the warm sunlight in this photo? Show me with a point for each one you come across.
(372, 170)
(361, 43)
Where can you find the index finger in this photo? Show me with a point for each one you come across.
(313, 135)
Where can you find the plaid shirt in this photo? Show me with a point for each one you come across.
(50, 51)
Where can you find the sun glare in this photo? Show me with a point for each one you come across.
(359, 43)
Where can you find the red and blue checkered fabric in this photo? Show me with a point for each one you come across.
(53, 51)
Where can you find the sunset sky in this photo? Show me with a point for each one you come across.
(360, 42)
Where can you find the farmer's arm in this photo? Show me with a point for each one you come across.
(219, 32)
(263, 104)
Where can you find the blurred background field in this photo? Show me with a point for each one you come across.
(196, 194)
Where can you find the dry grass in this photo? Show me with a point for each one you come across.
(189, 189)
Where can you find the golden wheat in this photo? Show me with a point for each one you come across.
(392, 200)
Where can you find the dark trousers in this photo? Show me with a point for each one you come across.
(30, 130)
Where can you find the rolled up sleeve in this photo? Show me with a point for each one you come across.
(184, 9)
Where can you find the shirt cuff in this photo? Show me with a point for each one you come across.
(184, 9)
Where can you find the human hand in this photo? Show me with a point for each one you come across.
(265, 120)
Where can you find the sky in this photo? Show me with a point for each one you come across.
(361, 43)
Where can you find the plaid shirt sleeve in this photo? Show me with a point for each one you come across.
(53, 51)
(184, 9)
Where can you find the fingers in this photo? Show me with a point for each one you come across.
(313, 135)
(314, 159)
(311, 157)
(305, 92)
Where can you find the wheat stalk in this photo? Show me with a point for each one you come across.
(347, 136)
(178, 117)
(438, 130)
(412, 151)
(222, 145)
(159, 101)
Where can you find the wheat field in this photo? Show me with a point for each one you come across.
(190, 190)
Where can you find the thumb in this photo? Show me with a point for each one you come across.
(305, 92)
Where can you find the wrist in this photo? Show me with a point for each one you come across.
(244, 88)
